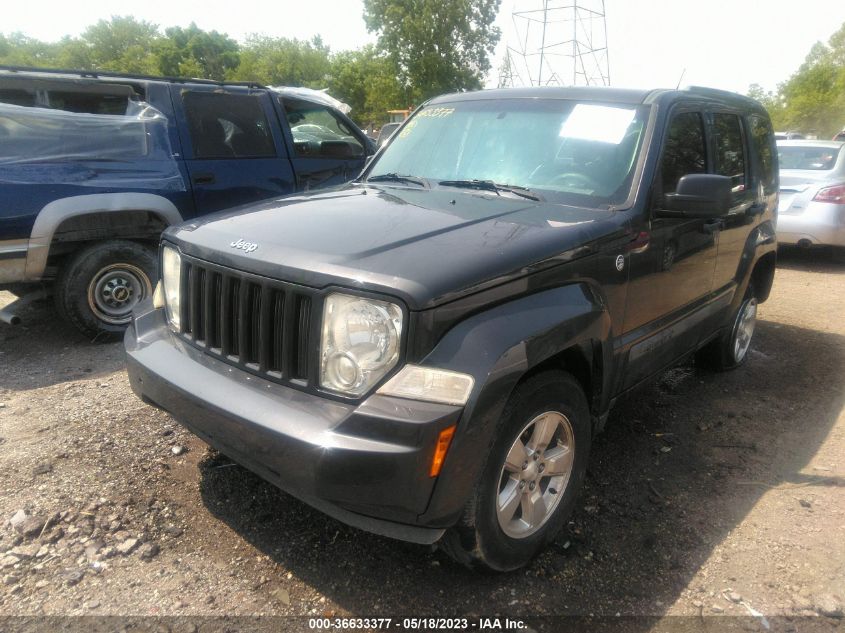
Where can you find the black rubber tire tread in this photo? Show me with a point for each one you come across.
(477, 541)
(717, 355)
(71, 288)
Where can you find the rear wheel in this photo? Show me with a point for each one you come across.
(99, 286)
(532, 476)
(730, 350)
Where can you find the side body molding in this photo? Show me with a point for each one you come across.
(56, 212)
(497, 347)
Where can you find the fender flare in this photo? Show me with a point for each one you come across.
(761, 241)
(57, 211)
(498, 347)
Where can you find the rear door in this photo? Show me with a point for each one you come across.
(732, 155)
(234, 152)
(327, 148)
(671, 270)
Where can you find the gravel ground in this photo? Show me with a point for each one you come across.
(707, 494)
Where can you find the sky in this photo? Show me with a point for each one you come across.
(727, 44)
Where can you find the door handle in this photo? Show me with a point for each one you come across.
(204, 179)
(758, 208)
(639, 243)
(712, 226)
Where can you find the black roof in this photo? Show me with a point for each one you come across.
(25, 71)
(583, 93)
(603, 94)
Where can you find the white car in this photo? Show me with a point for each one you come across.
(812, 193)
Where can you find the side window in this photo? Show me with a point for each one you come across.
(16, 96)
(764, 143)
(684, 151)
(226, 125)
(88, 102)
(318, 133)
(730, 153)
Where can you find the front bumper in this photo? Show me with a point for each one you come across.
(364, 464)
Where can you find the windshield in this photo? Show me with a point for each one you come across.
(565, 151)
(815, 158)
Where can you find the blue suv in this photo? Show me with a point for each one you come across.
(93, 166)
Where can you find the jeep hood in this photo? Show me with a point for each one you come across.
(423, 246)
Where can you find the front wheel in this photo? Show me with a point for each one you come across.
(100, 285)
(532, 476)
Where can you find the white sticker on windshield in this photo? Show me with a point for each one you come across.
(604, 124)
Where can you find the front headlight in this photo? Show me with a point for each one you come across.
(360, 342)
(171, 277)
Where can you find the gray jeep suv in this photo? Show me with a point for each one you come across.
(428, 352)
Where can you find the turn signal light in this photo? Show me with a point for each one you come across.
(834, 194)
(443, 442)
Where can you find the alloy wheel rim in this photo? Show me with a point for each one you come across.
(744, 329)
(535, 474)
(115, 290)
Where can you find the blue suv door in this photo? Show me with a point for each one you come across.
(234, 149)
(328, 149)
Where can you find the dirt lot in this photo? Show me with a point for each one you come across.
(708, 493)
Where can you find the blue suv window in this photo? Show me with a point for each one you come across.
(226, 125)
(318, 133)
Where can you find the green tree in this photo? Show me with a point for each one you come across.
(436, 46)
(193, 52)
(368, 82)
(122, 44)
(17, 49)
(283, 61)
(812, 100)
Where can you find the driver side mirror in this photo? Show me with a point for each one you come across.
(698, 196)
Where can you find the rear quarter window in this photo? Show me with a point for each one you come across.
(763, 140)
(808, 157)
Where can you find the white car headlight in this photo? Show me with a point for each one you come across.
(360, 342)
(171, 277)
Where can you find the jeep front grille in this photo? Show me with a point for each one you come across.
(258, 324)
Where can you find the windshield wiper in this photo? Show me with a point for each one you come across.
(394, 177)
(489, 185)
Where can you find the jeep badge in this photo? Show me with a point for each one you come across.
(247, 247)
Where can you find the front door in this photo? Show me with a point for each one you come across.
(234, 154)
(671, 271)
(327, 148)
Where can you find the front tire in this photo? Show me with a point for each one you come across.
(100, 285)
(532, 476)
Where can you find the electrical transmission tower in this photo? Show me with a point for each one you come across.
(557, 43)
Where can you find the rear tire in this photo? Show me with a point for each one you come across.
(730, 349)
(99, 286)
(531, 479)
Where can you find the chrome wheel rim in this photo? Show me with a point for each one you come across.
(535, 474)
(115, 290)
(746, 320)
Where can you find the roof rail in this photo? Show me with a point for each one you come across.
(717, 93)
(96, 74)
